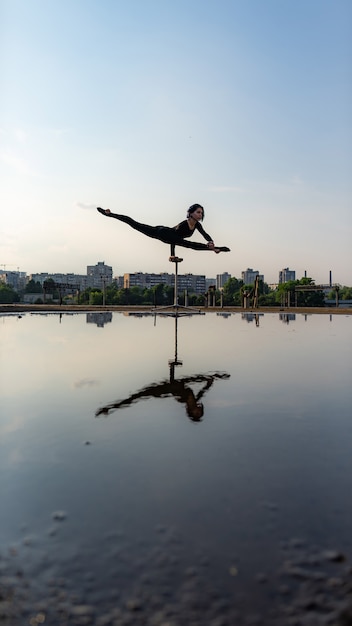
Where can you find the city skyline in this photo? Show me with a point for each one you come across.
(103, 269)
(148, 107)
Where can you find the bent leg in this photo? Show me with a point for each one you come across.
(194, 245)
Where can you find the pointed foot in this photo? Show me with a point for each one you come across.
(221, 249)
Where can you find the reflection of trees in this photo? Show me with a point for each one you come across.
(180, 389)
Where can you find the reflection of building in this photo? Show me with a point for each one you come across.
(99, 318)
(287, 317)
(249, 276)
(286, 274)
(251, 317)
(221, 279)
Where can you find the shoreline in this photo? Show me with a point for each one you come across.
(80, 308)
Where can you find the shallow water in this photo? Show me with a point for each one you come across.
(119, 493)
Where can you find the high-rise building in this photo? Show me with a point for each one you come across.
(99, 275)
(221, 279)
(286, 274)
(249, 276)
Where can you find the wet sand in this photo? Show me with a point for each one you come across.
(312, 586)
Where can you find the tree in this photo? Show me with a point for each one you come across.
(34, 286)
(287, 293)
(345, 293)
(232, 291)
(158, 294)
(7, 294)
(96, 297)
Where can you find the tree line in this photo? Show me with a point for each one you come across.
(232, 294)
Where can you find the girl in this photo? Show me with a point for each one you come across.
(176, 235)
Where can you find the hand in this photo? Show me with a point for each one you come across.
(211, 245)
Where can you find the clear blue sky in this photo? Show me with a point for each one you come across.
(148, 106)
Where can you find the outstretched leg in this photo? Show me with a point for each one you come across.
(150, 231)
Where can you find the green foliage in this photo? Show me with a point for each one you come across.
(345, 293)
(8, 295)
(96, 298)
(286, 293)
(34, 287)
(232, 291)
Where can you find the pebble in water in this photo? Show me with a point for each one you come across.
(59, 516)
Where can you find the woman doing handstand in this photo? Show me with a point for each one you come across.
(177, 235)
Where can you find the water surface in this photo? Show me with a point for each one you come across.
(173, 468)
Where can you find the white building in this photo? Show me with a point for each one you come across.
(99, 275)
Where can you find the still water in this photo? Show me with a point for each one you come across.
(174, 470)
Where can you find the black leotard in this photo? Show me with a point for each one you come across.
(173, 236)
(185, 231)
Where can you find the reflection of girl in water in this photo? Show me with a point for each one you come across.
(174, 236)
(179, 389)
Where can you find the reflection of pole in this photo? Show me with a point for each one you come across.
(176, 338)
(173, 363)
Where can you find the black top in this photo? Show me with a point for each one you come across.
(185, 231)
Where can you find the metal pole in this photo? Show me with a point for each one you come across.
(176, 285)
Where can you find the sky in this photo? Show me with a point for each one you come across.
(148, 106)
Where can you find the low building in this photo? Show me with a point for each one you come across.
(16, 280)
(193, 283)
(146, 281)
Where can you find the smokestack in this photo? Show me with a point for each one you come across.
(305, 273)
(330, 278)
